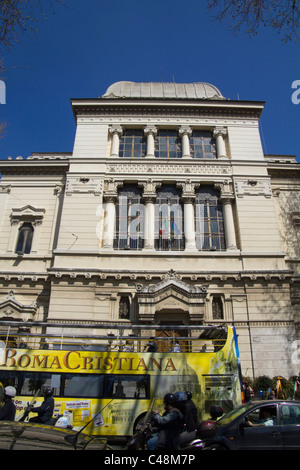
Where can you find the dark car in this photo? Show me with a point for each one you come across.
(265, 425)
(26, 436)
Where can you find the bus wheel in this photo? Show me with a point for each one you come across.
(139, 420)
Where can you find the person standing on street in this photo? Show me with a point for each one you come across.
(8, 410)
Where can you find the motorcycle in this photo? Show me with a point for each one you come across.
(204, 430)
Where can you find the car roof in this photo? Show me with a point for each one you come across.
(269, 402)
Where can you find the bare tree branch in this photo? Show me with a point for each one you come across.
(19, 16)
(281, 15)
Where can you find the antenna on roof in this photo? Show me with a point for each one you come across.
(175, 86)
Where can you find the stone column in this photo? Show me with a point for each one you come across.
(150, 133)
(188, 198)
(189, 223)
(149, 198)
(110, 197)
(229, 222)
(116, 132)
(219, 133)
(185, 133)
(149, 223)
(109, 221)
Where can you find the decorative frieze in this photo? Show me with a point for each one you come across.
(168, 169)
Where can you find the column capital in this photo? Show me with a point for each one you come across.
(225, 190)
(188, 189)
(219, 131)
(152, 130)
(115, 130)
(149, 189)
(185, 130)
(110, 193)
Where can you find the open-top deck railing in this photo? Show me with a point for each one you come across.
(114, 337)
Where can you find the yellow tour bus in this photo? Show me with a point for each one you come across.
(110, 388)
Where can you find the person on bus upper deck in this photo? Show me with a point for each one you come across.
(8, 410)
(129, 346)
(176, 348)
(169, 426)
(45, 411)
(151, 346)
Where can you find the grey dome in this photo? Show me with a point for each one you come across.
(199, 90)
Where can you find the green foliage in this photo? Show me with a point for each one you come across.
(263, 384)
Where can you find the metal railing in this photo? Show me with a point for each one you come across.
(113, 337)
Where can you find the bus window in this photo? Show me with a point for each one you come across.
(9, 378)
(87, 386)
(127, 386)
(32, 382)
(164, 384)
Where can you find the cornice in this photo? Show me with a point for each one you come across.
(160, 108)
(34, 167)
(223, 276)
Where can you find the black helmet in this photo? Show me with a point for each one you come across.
(47, 392)
(189, 395)
(180, 397)
(169, 399)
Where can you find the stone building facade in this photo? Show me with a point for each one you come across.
(165, 212)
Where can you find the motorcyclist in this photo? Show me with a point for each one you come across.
(46, 409)
(189, 429)
(8, 410)
(191, 405)
(169, 426)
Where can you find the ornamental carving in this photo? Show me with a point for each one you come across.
(253, 187)
(162, 169)
(84, 185)
(11, 308)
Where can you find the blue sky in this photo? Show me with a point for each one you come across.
(88, 45)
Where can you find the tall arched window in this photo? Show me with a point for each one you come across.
(129, 229)
(124, 307)
(217, 308)
(169, 219)
(209, 220)
(25, 238)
